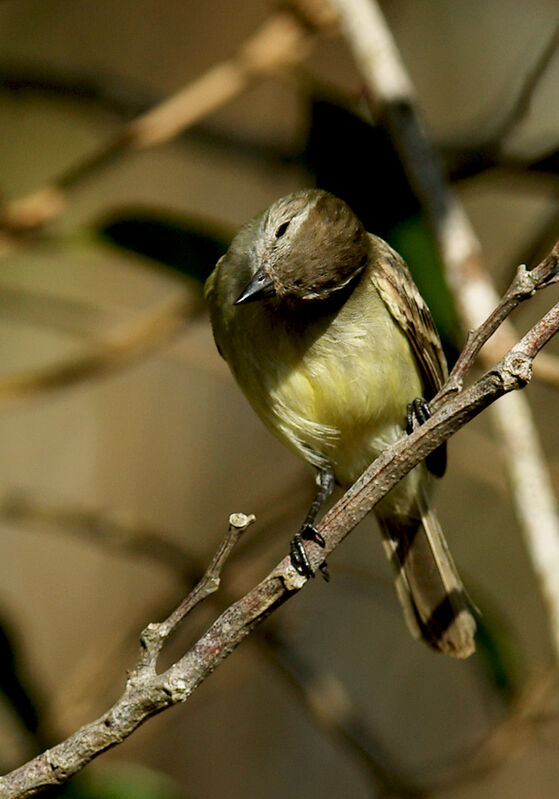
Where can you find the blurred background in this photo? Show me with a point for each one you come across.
(126, 443)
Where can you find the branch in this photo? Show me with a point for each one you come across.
(283, 40)
(393, 98)
(129, 342)
(148, 693)
(485, 149)
(524, 285)
(314, 683)
(155, 635)
(532, 711)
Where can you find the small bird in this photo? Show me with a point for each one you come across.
(327, 335)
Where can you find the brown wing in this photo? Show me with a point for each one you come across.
(396, 287)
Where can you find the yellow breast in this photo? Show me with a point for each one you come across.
(335, 390)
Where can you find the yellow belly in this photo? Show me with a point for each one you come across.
(342, 399)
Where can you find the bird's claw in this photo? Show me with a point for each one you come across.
(310, 533)
(298, 553)
(418, 413)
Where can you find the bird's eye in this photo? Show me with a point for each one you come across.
(281, 229)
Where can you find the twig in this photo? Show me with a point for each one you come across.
(122, 346)
(531, 710)
(546, 367)
(523, 100)
(281, 42)
(484, 148)
(155, 635)
(525, 283)
(148, 693)
(393, 99)
(329, 704)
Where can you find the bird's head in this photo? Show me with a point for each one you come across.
(307, 246)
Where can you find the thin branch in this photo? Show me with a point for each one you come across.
(329, 704)
(331, 707)
(531, 710)
(393, 99)
(523, 100)
(148, 693)
(525, 283)
(546, 367)
(484, 148)
(238, 523)
(122, 346)
(283, 40)
(155, 635)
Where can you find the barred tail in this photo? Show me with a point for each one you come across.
(436, 606)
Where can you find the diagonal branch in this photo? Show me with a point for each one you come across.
(525, 283)
(329, 704)
(155, 635)
(148, 693)
(124, 345)
(282, 41)
(393, 98)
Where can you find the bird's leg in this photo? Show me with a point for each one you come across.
(308, 532)
(418, 412)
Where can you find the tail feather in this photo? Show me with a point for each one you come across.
(436, 606)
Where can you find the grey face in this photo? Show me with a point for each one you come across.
(308, 245)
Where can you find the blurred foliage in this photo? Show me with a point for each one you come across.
(498, 650)
(358, 162)
(121, 781)
(13, 680)
(499, 655)
(184, 245)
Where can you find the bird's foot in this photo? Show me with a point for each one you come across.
(418, 412)
(299, 558)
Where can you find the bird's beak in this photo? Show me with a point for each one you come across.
(260, 286)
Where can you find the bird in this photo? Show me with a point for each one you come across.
(330, 340)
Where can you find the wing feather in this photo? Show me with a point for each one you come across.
(396, 287)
